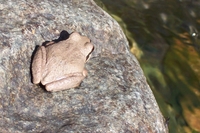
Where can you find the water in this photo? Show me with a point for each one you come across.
(164, 36)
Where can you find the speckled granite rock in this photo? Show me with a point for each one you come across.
(114, 97)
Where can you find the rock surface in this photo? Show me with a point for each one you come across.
(114, 97)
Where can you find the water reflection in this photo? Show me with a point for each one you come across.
(163, 34)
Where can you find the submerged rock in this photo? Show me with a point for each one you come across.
(114, 97)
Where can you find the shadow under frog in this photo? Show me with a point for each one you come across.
(60, 64)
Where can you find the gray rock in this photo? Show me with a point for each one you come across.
(114, 97)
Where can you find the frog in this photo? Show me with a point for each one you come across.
(61, 65)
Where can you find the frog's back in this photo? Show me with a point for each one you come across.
(61, 62)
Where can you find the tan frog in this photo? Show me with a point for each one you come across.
(61, 65)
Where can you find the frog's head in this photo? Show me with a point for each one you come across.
(85, 45)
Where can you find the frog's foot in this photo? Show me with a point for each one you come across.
(66, 82)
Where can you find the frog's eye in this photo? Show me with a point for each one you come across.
(75, 36)
(89, 55)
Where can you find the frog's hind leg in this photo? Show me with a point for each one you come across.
(38, 64)
(70, 81)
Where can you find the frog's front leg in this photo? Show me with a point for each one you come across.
(38, 64)
(69, 81)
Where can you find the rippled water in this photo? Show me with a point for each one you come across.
(163, 34)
